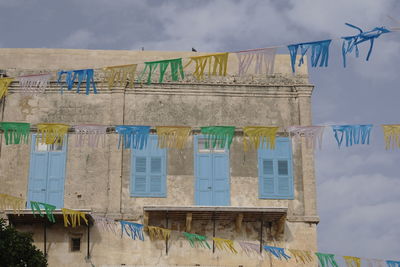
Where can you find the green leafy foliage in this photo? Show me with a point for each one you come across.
(17, 250)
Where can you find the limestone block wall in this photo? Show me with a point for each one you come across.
(99, 178)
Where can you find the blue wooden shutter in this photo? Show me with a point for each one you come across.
(37, 174)
(221, 186)
(275, 171)
(56, 176)
(47, 175)
(148, 176)
(203, 171)
(140, 175)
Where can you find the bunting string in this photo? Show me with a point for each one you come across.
(35, 206)
(106, 224)
(254, 136)
(34, 84)
(14, 132)
(249, 248)
(375, 263)
(352, 42)
(122, 76)
(279, 253)
(217, 65)
(393, 263)
(52, 133)
(196, 240)
(391, 135)
(75, 217)
(263, 59)
(79, 76)
(319, 53)
(225, 244)
(352, 261)
(133, 230)
(4, 84)
(174, 64)
(326, 260)
(10, 202)
(218, 136)
(352, 134)
(133, 136)
(172, 137)
(301, 255)
(158, 233)
(90, 134)
(311, 134)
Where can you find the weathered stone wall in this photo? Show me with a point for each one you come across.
(99, 178)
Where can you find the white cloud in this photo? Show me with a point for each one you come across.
(361, 214)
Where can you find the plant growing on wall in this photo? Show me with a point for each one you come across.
(17, 248)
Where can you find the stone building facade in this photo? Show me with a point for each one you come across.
(99, 180)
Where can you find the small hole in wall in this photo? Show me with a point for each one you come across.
(79, 196)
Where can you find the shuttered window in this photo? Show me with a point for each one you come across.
(275, 171)
(148, 170)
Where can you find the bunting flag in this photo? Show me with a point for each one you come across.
(319, 53)
(86, 75)
(11, 202)
(175, 65)
(75, 217)
(158, 233)
(133, 230)
(90, 134)
(106, 224)
(172, 137)
(51, 133)
(249, 248)
(392, 135)
(133, 136)
(352, 42)
(35, 206)
(4, 84)
(264, 60)
(352, 261)
(196, 240)
(353, 134)
(375, 263)
(254, 136)
(217, 65)
(326, 260)
(301, 255)
(34, 84)
(225, 244)
(122, 76)
(218, 136)
(311, 134)
(14, 132)
(279, 253)
(393, 263)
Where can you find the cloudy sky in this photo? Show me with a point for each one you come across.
(358, 187)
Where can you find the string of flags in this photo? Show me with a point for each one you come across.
(215, 64)
(136, 231)
(254, 137)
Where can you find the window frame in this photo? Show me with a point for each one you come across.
(267, 154)
(149, 154)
